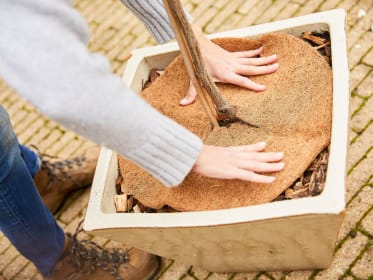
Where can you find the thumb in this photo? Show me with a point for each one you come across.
(190, 97)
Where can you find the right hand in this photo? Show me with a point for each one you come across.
(231, 67)
(239, 162)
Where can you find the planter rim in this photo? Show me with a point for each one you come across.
(330, 202)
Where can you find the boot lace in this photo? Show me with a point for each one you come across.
(58, 170)
(85, 251)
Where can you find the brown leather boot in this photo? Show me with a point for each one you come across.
(84, 259)
(57, 178)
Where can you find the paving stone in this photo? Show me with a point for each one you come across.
(15, 267)
(219, 4)
(15, 107)
(358, 74)
(365, 88)
(254, 13)
(346, 4)
(367, 223)
(244, 276)
(11, 95)
(188, 7)
(200, 9)
(7, 257)
(70, 149)
(368, 59)
(328, 5)
(277, 275)
(93, 11)
(352, 135)
(28, 272)
(290, 9)
(360, 28)
(50, 140)
(359, 148)
(355, 211)
(76, 207)
(271, 12)
(311, 7)
(359, 176)
(73, 225)
(364, 116)
(65, 138)
(231, 22)
(360, 49)
(27, 134)
(38, 277)
(355, 104)
(262, 277)
(4, 244)
(19, 117)
(222, 16)
(141, 41)
(206, 17)
(37, 137)
(364, 267)
(198, 273)
(174, 271)
(223, 276)
(353, 15)
(298, 275)
(109, 12)
(247, 6)
(343, 258)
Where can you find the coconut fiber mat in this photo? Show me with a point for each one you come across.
(293, 115)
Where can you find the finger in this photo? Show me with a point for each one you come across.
(250, 53)
(190, 97)
(258, 61)
(254, 177)
(249, 70)
(243, 82)
(259, 166)
(257, 147)
(263, 156)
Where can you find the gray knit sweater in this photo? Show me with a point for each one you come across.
(44, 57)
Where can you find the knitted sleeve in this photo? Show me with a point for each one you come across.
(44, 57)
(153, 14)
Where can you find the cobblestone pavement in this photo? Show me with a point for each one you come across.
(115, 32)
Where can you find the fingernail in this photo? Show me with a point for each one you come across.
(280, 154)
(183, 101)
(271, 179)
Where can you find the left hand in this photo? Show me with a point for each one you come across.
(231, 67)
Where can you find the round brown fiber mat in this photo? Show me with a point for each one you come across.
(293, 115)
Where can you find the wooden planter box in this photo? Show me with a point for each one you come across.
(283, 235)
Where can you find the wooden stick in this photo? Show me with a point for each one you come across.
(175, 12)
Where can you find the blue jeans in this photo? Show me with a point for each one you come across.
(24, 219)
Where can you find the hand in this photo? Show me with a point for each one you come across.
(238, 162)
(231, 67)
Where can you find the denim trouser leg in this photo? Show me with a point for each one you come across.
(31, 159)
(24, 219)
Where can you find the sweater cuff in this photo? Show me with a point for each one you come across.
(170, 153)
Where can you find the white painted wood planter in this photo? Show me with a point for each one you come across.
(283, 235)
